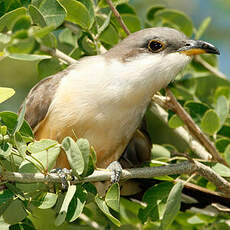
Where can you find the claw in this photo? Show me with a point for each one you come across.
(65, 176)
(116, 168)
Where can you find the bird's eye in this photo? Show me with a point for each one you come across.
(155, 46)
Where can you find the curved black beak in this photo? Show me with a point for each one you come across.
(194, 47)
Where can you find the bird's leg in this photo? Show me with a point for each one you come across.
(116, 169)
(65, 176)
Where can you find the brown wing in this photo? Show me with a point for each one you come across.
(40, 97)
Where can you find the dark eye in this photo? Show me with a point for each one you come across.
(155, 46)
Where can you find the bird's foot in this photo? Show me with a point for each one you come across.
(65, 176)
(116, 169)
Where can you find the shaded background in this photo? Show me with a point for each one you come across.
(23, 75)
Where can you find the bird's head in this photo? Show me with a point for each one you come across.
(159, 50)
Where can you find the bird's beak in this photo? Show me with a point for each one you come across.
(194, 47)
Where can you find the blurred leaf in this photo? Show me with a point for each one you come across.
(159, 151)
(48, 201)
(182, 93)
(6, 93)
(42, 145)
(10, 120)
(48, 67)
(77, 203)
(4, 38)
(152, 11)
(63, 211)
(177, 17)
(74, 155)
(227, 154)
(52, 12)
(126, 9)
(222, 143)
(104, 208)
(15, 212)
(6, 197)
(7, 19)
(224, 131)
(112, 197)
(222, 108)
(222, 91)
(42, 32)
(103, 3)
(175, 122)
(221, 169)
(22, 46)
(172, 206)
(77, 13)
(22, 23)
(88, 46)
(28, 57)
(210, 122)
(203, 26)
(67, 36)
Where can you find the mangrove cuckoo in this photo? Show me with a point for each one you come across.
(103, 98)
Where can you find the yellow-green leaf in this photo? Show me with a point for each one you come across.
(6, 93)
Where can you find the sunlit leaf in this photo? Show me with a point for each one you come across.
(6, 93)
(112, 197)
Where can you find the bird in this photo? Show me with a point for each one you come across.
(103, 98)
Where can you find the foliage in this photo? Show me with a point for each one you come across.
(85, 27)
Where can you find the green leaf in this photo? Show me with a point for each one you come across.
(227, 154)
(5, 149)
(224, 131)
(42, 145)
(132, 22)
(76, 13)
(204, 25)
(4, 38)
(28, 57)
(104, 208)
(126, 9)
(84, 147)
(20, 119)
(175, 122)
(159, 151)
(181, 20)
(48, 201)
(48, 67)
(52, 12)
(67, 36)
(6, 93)
(172, 206)
(112, 197)
(42, 32)
(222, 91)
(74, 155)
(222, 108)
(222, 143)
(10, 120)
(37, 16)
(103, 3)
(77, 204)
(20, 144)
(63, 211)
(7, 19)
(221, 169)
(152, 11)
(89, 4)
(6, 197)
(22, 23)
(15, 212)
(210, 122)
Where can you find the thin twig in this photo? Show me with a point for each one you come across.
(118, 17)
(57, 53)
(212, 69)
(186, 167)
(194, 129)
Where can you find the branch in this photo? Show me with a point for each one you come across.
(194, 129)
(186, 167)
(209, 67)
(118, 17)
(180, 131)
(57, 53)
